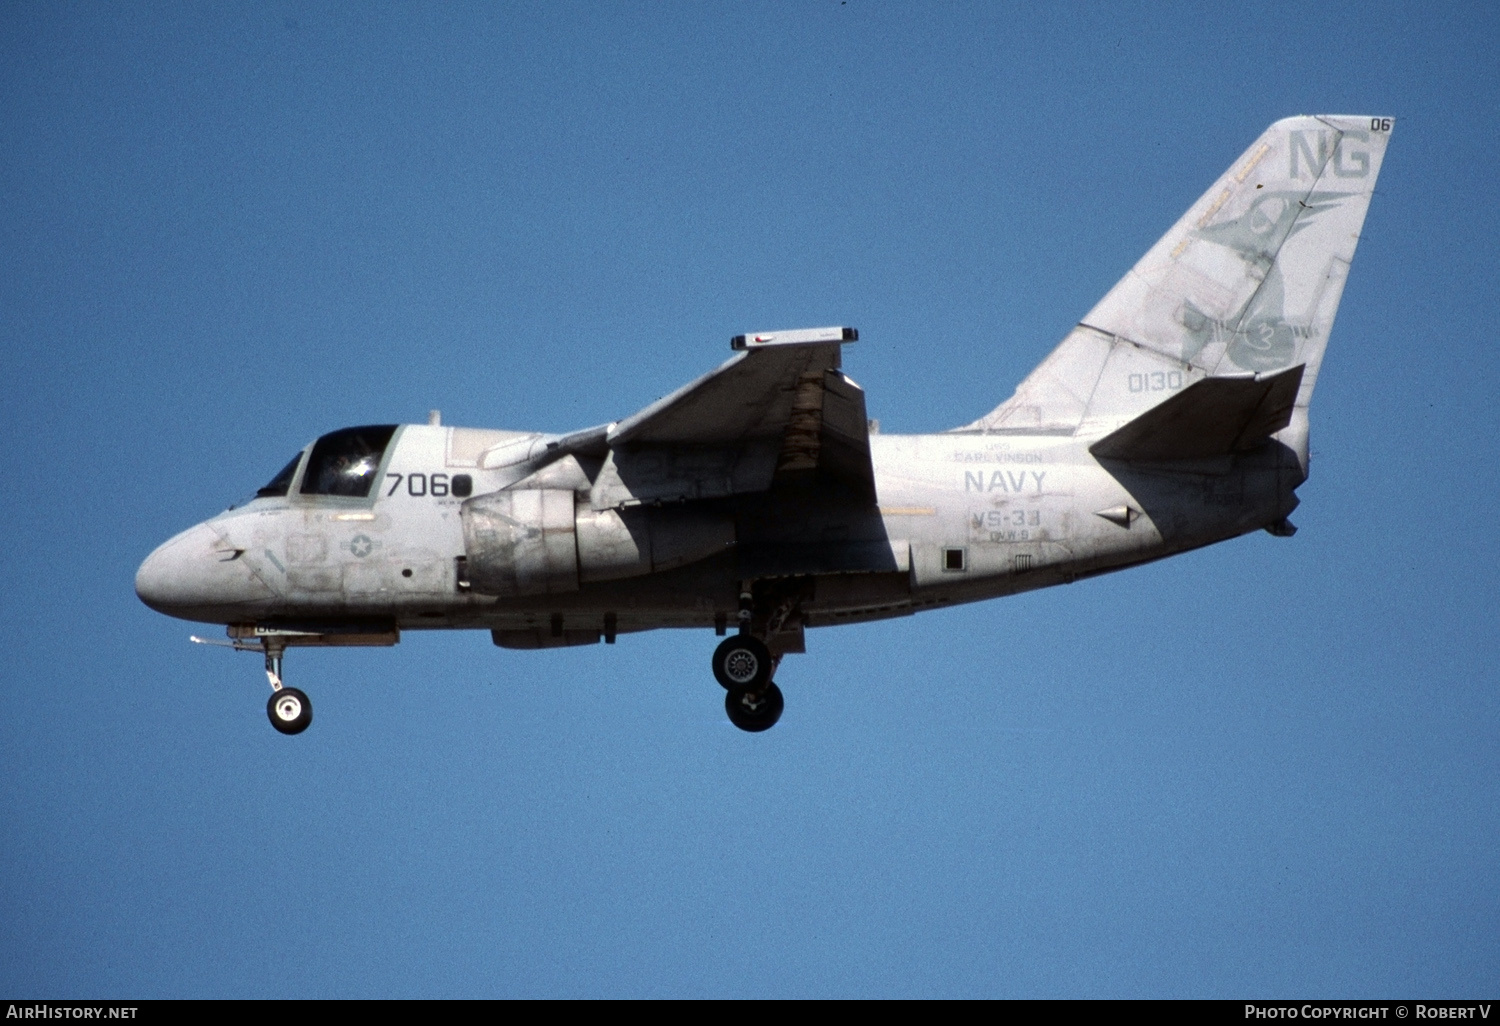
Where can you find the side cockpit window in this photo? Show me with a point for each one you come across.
(279, 484)
(345, 462)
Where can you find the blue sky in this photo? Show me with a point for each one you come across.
(1265, 768)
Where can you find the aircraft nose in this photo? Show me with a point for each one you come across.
(195, 574)
(167, 580)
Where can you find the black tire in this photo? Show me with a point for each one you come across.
(754, 710)
(742, 661)
(289, 710)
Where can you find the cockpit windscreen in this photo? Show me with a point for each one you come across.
(282, 481)
(345, 462)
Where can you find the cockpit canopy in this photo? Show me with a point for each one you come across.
(342, 463)
(279, 484)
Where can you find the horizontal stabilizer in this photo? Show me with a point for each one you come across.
(1211, 417)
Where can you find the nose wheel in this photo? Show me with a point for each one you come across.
(289, 710)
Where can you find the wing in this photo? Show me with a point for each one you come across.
(778, 410)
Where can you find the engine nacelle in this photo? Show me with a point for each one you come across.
(636, 540)
(521, 542)
(544, 541)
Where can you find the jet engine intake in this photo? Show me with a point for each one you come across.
(544, 541)
(521, 542)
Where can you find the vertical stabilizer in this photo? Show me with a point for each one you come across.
(1245, 284)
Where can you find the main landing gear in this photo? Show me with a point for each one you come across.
(743, 661)
(744, 665)
(754, 710)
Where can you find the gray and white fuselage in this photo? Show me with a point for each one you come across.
(962, 517)
(760, 497)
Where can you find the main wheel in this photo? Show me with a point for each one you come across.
(290, 711)
(754, 710)
(742, 661)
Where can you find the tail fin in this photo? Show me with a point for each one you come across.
(1246, 284)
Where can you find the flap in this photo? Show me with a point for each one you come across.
(1211, 417)
(769, 412)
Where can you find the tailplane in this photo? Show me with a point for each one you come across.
(1211, 417)
(1242, 292)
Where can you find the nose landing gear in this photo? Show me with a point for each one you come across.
(288, 708)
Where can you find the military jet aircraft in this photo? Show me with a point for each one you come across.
(760, 498)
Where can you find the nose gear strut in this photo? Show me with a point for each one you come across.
(289, 709)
